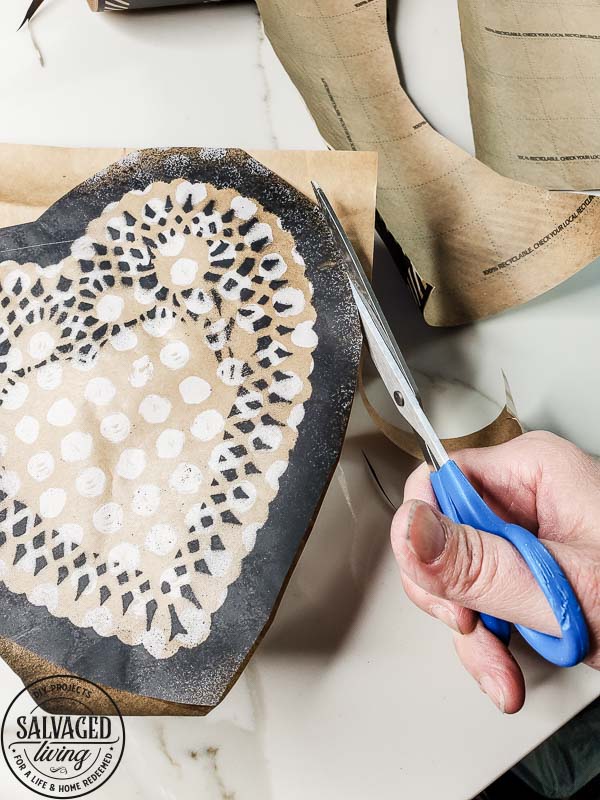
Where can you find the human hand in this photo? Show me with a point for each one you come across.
(539, 481)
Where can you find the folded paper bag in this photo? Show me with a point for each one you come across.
(476, 243)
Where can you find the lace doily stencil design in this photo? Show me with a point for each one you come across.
(154, 383)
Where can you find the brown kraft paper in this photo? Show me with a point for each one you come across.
(478, 242)
(35, 177)
(533, 71)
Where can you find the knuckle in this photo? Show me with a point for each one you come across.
(552, 446)
(557, 458)
(542, 436)
(470, 569)
(546, 446)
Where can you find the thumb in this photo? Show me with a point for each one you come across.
(477, 570)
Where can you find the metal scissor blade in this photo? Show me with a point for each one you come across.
(359, 279)
(384, 349)
(341, 237)
(397, 385)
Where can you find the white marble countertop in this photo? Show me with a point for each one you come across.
(353, 693)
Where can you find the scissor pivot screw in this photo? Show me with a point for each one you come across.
(398, 399)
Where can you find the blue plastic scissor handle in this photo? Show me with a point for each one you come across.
(459, 501)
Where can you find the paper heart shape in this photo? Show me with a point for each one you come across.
(176, 374)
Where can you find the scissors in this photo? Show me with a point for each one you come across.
(455, 495)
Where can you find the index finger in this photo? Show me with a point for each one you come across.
(506, 476)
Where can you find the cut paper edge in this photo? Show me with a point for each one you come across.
(503, 428)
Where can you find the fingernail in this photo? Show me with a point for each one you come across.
(493, 691)
(446, 616)
(426, 534)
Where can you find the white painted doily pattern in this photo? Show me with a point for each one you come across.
(151, 387)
